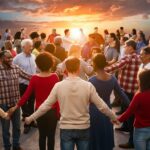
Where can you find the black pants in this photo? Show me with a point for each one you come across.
(28, 107)
(129, 123)
(47, 127)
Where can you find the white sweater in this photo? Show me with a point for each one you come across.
(74, 96)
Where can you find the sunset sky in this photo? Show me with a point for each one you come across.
(47, 14)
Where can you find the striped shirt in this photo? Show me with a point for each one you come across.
(9, 84)
(128, 68)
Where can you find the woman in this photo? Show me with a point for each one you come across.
(140, 107)
(85, 69)
(101, 130)
(41, 84)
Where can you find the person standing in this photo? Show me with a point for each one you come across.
(9, 95)
(74, 107)
(127, 76)
(26, 61)
(52, 36)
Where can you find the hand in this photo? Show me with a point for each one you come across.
(115, 122)
(11, 110)
(7, 117)
(28, 120)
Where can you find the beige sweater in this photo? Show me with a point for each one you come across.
(74, 96)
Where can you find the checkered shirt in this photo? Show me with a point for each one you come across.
(128, 68)
(9, 84)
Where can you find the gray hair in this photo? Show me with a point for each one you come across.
(58, 40)
(26, 42)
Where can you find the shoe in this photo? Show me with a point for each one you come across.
(17, 148)
(126, 146)
(26, 129)
(122, 129)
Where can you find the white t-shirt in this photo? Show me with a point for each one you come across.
(67, 42)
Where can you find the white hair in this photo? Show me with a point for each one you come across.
(26, 42)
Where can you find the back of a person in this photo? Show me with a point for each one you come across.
(60, 53)
(130, 70)
(75, 99)
(43, 86)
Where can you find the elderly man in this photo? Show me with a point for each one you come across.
(9, 95)
(26, 61)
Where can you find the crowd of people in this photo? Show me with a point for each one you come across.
(55, 79)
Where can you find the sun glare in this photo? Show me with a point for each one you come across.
(75, 33)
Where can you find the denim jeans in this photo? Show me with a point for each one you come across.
(15, 119)
(72, 137)
(142, 138)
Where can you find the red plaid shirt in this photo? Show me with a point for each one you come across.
(128, 68)
(9, 84)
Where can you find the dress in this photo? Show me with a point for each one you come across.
(101, 129)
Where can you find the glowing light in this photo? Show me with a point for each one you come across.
(75, 34)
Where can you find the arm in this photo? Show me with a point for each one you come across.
(24, 74)
(100, 104)
(118, 65)
(87, 68)
(121, 94)
(27, 93)
(131, 109)
(45, 106)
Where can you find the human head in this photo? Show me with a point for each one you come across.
(67, 32)
(133, 31)
(58, 40)
(53, 31)
(43, 36)
(6, 58)
(95, 50)
(99, 62)
(8, 45)
(44, 61)
(145, 55)
(112, 37)
(34, 36)
(38, 45)
(144, 80)
(75, 50)
(72, 65)
(121, 28)
(50, 48)
(141, 36)
(106, 31)
(130, 46)
(27, 46)
(123, 39)
(96, 29)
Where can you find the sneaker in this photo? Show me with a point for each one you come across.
(126, 146)
(17, 148)
(26, 129)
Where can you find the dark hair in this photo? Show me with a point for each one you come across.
(43, 35)
(99, 61)
(142, 35)
(34, 35)
(66, 31)
(44, 61)
(50, 48)
(134, 31)
(17, 35)
(146, 50)
(2, 53)
(106, 31)
(8, 45)
(121, 28)
(37, 44)
(72, 64)
(131, 43)
(6, 30)
(124, 38)
(117, 45)
(144, 77)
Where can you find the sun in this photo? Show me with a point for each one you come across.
(75, 33)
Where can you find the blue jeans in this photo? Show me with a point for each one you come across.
(142, 138)
(72, 137)
(15, 119)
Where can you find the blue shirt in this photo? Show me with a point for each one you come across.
(27, 63)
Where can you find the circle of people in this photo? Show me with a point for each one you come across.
(59, 79)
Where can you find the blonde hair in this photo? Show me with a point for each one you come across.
(75, 50)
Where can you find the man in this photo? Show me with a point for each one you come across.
(145, 58)
(67, 41)
(127, 77)
(74, 95)
(9, 95)
(26, 61)
(52, 36)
